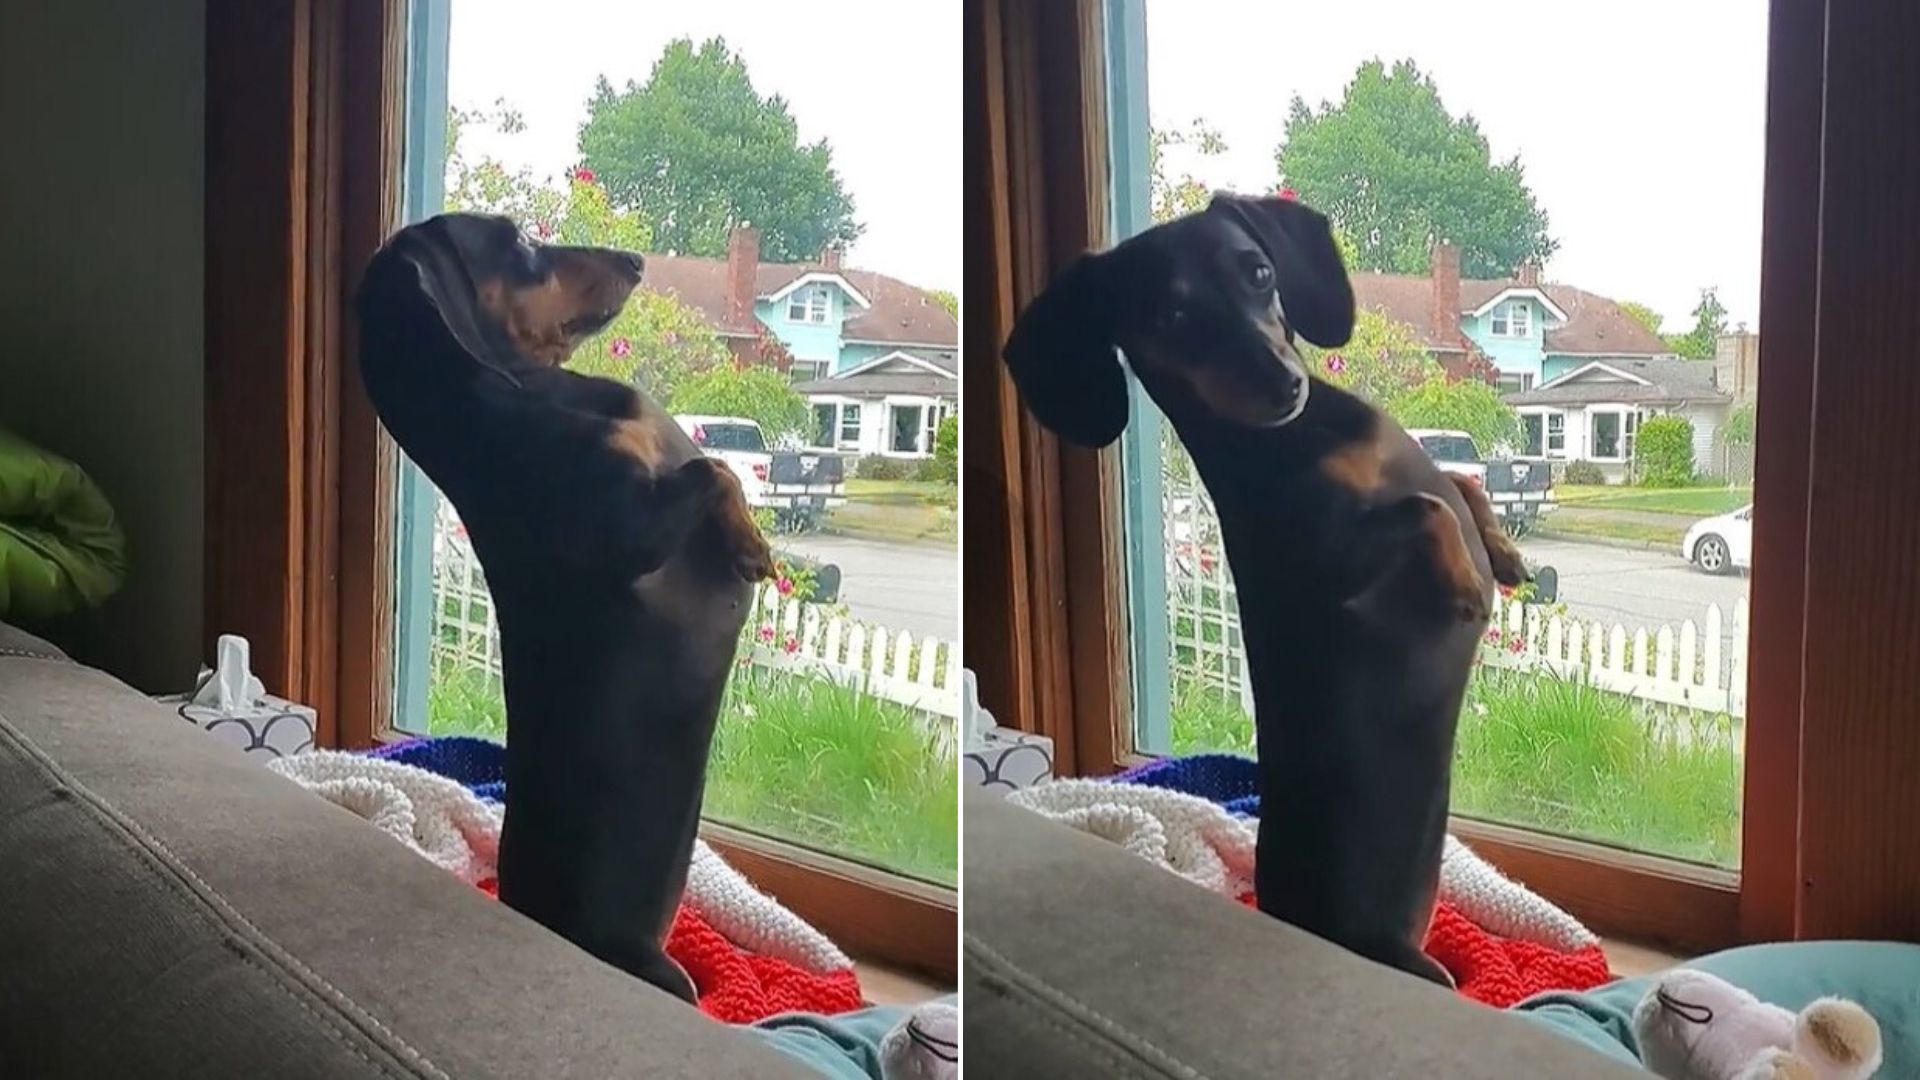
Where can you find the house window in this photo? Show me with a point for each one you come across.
(808, 305)
(1514, 382)
(936, 415)
(1632, 422)
(850, 424)
(1607, 431)
(1556, 434)
(907, 429)
(1512, 319)
(825, 417)
(1531, 427)
(807, 370)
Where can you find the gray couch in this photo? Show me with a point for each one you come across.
(1082, 960)
(171, 908)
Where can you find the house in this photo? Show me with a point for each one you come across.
(1522, 331)
(1593, 412)
(877, 358)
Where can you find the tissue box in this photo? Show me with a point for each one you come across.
(272, 727)
(1008, 759)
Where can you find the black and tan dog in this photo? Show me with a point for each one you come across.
(1364, 574)
(620, 560)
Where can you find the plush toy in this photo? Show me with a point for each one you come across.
(1696, 1026)
(924, 1046)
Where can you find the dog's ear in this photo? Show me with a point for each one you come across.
(1312, 281)
(1061, 354)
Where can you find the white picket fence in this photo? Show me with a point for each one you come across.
(781, 633)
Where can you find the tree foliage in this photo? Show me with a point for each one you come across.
(757, 393)
(1642, 314)
(1663, 451)
(656, 343)
(1739, 429)
(1382, 361)
(1460, 405)
(699, 150)
(1397, 172)
(1709, 322)
(948, 301)
(1171, 197)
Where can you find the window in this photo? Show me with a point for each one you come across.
(1556, 434)
(936, 415)
(1513, 382)
(807, 370)
(907, 430)
(809, 304)
(825, 741)
(1512, 318)
(1613, 433)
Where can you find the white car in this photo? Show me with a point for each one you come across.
(1723, 544)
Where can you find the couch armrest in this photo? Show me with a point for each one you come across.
(171, 908)
(1081, 959)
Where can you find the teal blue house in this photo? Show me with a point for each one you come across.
(1578, 368)
(876, 357)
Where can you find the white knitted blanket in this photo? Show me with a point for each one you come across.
(460, 832)
(1201, 842)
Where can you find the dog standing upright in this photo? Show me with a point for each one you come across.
(620, 559)
(1364, 574)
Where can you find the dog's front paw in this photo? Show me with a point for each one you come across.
(1458, 579)
(748, 552)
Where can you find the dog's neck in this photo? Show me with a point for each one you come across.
(1233, 455)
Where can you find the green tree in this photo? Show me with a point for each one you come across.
(1709, 322)
(1396, 171)
(1739, 429)
(1382, 361)
(1459, 405)
(1643, 315)
(1169, 197)
(699, 151)
(655, 343)
(758, 393)
(948, 301)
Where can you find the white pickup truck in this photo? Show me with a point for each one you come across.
(1520, 491)
(798, 486)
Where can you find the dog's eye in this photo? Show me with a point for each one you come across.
(1260, 275)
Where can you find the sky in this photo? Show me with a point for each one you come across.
(879, 79)
(1640, 123)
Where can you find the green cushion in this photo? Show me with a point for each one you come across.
(1883, 976)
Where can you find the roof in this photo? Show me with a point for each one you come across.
(1595, 325)
(898, 313)
(1652, 381)
(931, 375)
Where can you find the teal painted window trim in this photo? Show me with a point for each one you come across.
(423, 194)
(1141, 505)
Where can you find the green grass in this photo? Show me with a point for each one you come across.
(904, 511)
(1694, 502)
(796, 757)
(1569, 521)
(1561, 757)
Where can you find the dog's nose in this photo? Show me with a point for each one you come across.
(634, 262)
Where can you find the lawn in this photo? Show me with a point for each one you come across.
(1561, 757)
(1578, 521)
(1693, 502)
(909, 511)
(800, 758)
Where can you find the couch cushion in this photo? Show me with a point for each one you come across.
(173, 908)
(1082, 960)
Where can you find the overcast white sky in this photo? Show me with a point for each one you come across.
(1640, 122)
(880, 80)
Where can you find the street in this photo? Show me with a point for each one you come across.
(1635, 588)
(911, 587)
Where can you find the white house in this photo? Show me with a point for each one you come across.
(891, 405)
(1593, 412)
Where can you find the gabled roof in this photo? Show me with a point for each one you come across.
(829, 277)
(934, 375)
(1537, 294)
(896, 313)
(1593, 325)
(1653, 381)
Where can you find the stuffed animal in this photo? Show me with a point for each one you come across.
(924, 1046)
(1696, 1026)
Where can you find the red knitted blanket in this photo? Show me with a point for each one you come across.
(738, 987)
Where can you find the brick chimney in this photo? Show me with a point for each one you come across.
(1445, 315)
(1528, 275)
(743, 260)
(830, 259)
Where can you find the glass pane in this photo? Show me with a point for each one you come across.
(1609, 704)
(837, 727)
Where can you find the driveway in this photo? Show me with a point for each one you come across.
(1636, 588)
(911, 587)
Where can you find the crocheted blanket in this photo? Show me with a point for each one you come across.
(1197, 817)
(749, 956)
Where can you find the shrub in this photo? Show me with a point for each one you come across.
(944, 466)
(1584, 472)
(1663, 452)
(1459, 405)
(881, 467)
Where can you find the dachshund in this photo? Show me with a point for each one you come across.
(620, 558)
(1365, 574)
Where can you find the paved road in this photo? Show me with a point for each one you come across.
(911, 587)
(1635, 588)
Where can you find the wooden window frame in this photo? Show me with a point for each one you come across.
(305, 116)
(1830, 743)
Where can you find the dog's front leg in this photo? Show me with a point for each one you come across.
(655, 517)
(1407, 558)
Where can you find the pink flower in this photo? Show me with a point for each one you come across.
(584, 175)
(1336, 364)
(785, 585)
(793, 645)
(766, 634)
(621, 348)
(671, 338)
(543, 230)
(1289, 194)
